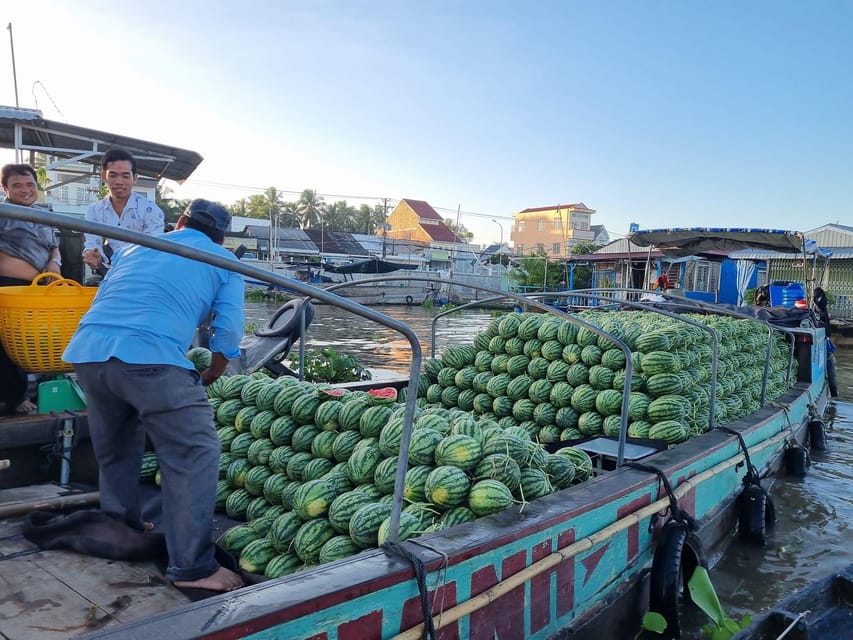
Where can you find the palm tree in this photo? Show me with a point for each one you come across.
(290, 216)
(311, 208)
(273, 203)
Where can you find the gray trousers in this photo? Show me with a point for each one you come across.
(128, 401)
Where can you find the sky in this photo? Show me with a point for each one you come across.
(657, 113)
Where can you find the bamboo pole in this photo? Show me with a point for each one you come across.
(58, 502)
(585, 544)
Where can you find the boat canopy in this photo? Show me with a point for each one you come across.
(685, 242)
(373, 265)
(25, 130)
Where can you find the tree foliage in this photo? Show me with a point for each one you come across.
(460, 230)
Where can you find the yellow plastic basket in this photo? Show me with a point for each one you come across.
(37, 322)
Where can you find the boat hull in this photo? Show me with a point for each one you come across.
(569, 565)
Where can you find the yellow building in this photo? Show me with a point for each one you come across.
(417, 220)
(554, 229)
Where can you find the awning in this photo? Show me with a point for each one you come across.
(685, 242)
(27, 130)
(369, 266)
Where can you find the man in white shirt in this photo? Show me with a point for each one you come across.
(120, 208)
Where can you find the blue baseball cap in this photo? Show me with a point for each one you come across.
(209, 213)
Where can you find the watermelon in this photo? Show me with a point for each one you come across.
(608, 402)
(373, 419)
(672, 431)
(560, 470)
(499, 466)
(273, 486)
(281, 430)
(223, 490)
(363, 461)
(344, 506)
(200, 357)
(326, 415)
(316, 469)
(422, 446)
(456, 516)
(261, 423)
(303, 437)
(322, 446)
(236, 472)
(237, 503)
(344, 445)
(489, 496)
(337, 548)
(149, 466)
(257, 508)
(255, 479)
(409, 527)
(244, 417)
(259, 451)
(581, 460)
(310, 538)
(304, 407)
(312, 499)
(365, 522)
(459, 450)
(383, 396)
(447, 486)
(385, 475)
(296, 465)
(236, 538)
(534, 484)
(414, 484)
(279, 457)
(283, 565)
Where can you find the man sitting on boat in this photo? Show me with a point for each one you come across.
(26, 250)
(138, 381)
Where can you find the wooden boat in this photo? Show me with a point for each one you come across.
(572, 564)
(821, 611)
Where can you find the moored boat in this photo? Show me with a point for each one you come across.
(572, 563)
(822, 610)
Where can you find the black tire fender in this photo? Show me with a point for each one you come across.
(796, 460)
(677, 554)
(756, 514)
(409, 300)
(285, 321)
(817, 435)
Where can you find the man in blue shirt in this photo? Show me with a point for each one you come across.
(129, 355)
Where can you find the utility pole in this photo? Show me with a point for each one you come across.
(384, 225)
(15, 80)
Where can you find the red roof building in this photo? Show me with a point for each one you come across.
(417, 220)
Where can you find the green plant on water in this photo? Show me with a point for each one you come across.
(705, 597)
(249, 328)
(428, 303)
(448, 305)
(328, 365)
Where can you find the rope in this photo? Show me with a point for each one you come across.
(441, 577)
(677, 513)
(752, 476)
(420, 577)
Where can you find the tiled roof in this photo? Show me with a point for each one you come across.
(437, 232)
(423, 209)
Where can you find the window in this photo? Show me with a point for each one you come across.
(541, 225)
(520, 249)
(540, 247)
(558, 223)
(580, 221)
(555, 249)
(521, 225)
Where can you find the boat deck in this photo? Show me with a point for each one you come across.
(63, 594)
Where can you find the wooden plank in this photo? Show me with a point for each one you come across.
(61, 594)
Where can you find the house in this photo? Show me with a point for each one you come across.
(417, 220)
(724, 276)
(554, 229)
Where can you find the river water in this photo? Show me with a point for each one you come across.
(813, 535)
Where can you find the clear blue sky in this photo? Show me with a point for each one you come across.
(660, 113)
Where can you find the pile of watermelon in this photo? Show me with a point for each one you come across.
(311, 469)
(561, 381)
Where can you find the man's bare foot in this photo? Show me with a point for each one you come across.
(220, 580)
(26, 407)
